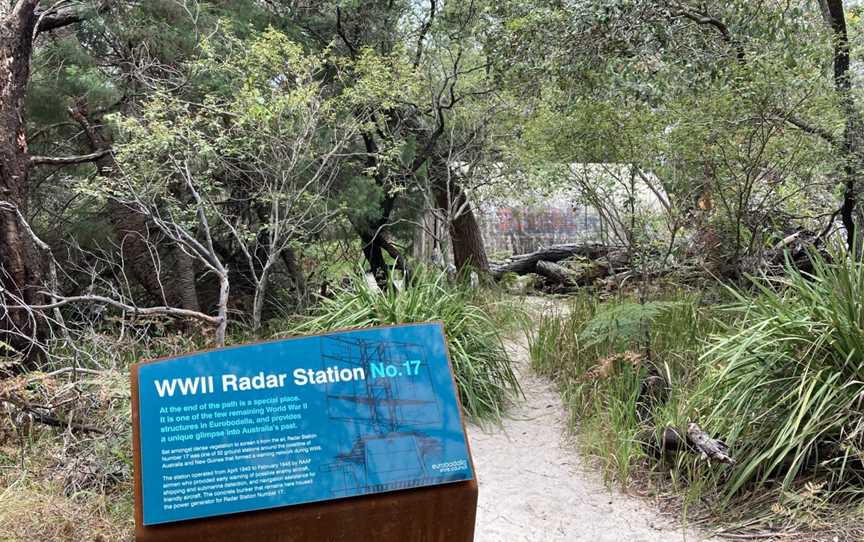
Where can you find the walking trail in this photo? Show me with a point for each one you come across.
(535, 487)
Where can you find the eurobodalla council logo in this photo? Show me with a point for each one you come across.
(451, 466)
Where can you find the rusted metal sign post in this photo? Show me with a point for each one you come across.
(348, 436)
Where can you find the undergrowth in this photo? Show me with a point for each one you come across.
(776, 372)
(600, 354)
(481, 365)
(62, 483)
(68, 483)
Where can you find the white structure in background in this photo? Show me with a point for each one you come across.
(601, 203)
(518, 227)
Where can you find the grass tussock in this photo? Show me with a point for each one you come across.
(484, 377)
(601, 353)
(777, 373)
(785, 383)
(39, 512)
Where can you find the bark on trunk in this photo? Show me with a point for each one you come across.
(289, 257)
(465, 236)
(140, 247)
(835, 18)
(222, 309)
(20, 265)
(184, 284)
(135, 241)
(468, 247)
(258, 298)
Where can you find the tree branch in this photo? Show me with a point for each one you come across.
(58, 16)
(137, 311)
(67, 160)
(341, 32)
(717, 24)
(706, 20)
(813, 130)
(423, 31)
(726, 36)
(52, 19)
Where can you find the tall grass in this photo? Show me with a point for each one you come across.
(777, 372)
(628, 341)
(482, 368)
(785, 384)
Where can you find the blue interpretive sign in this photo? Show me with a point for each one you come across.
(297, 421)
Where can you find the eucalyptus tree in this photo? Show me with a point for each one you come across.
(428, 49)
(23, 25)
(71, 65)
(726, 103)
(259, 153)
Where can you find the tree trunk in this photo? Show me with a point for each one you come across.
(258, 298)
(20, 267)
(465, 236)
(184, 285)
(135, 241)
(835, 18)
(222, 308)
(295, 270)
(373, 250)
(139, 247)
(527, 263)
(558, 274)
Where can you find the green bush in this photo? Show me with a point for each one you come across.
(483, 374)
(777, 373)
(599, 354)
(785, 385)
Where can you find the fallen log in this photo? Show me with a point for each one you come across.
(695, 441)
(527, 263)
(558, 274)
(45, 416)
(710, 448)
(579, 274)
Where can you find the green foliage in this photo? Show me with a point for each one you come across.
(784, 384)
(482, 368)
(622, 323)
(599, 354)
(777, 374)
(611, 433)
(708, 116)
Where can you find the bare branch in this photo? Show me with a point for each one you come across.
(341, 32)
(54, 18)
(812, 130)
(67, 160)
(135, 311)
(421, 39)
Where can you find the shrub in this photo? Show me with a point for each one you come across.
(482, 368)
(785, 385)
(599, 355)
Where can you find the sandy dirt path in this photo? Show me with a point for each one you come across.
(534, 486)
